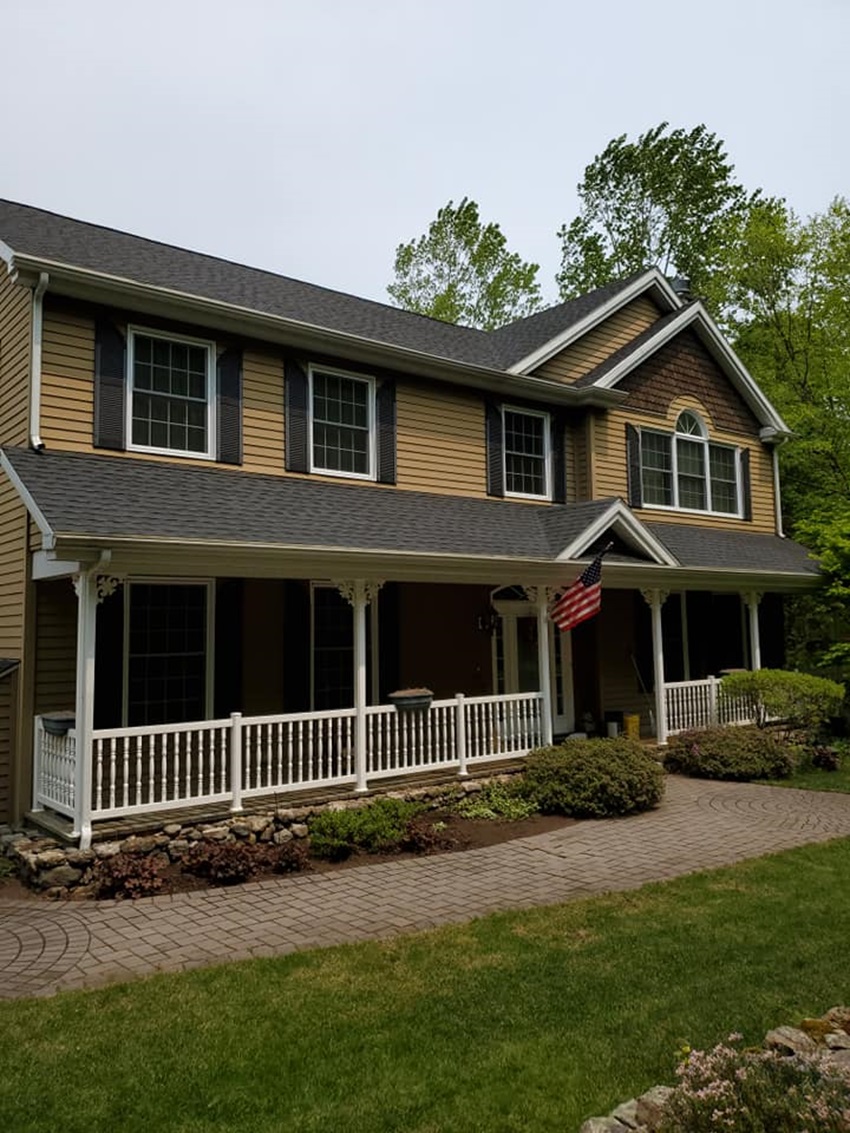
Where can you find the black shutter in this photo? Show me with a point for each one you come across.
(746, 493)
(559, 462)
(495, 449)
(230, 406)
(296, 416)
(110, 385)
(633, 459)
(385, 413)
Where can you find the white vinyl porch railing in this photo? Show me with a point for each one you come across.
(161, 767)
(704, 704)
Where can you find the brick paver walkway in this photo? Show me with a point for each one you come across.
(46, 948)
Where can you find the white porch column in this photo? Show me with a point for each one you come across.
(85, 585)
(752, 600)
(656, 599)
(540, 596)
(359, 594)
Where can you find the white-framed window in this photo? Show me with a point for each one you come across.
(526, 444)
(342, 423)
(171, 394)
(168, 662)
(686, 471)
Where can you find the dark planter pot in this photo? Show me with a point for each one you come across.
(58, 723)
(411, 702)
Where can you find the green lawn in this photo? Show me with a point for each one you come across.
(527, 1021)
(814, 780)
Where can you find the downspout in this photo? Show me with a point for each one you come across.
(777, 495)
(35, 368)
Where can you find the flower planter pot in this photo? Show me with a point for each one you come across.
(58, 723)
(411, 699)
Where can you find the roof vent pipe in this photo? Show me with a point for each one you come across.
(35, 362)
(682, 286)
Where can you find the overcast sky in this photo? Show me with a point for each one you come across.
(311, 138)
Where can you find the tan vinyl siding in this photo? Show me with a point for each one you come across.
(13, 546)
(67, 381)
(8, 685)
(441, 445)
(55, 646)
(612, 475)
(262, 413)
(601, 342)
(15, 343)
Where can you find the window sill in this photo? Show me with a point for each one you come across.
(151, 451)
(528, 496)
(369, 477)
(691, 511)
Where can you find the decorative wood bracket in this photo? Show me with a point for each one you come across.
(366, 590)
(105, 585)
(649, 596)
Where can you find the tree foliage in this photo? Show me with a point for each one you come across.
(461, 271)
(668, 200)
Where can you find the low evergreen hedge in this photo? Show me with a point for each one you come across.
(739, 753)
(596, 778)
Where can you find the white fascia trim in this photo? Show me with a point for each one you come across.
(46, 565)
(7, 255)
(650, 280)
(619, 518)
(48, 536)
(733, 366)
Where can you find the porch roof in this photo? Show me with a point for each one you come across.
(81, 498)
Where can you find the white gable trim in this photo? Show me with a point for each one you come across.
(697, 317)
(651, 280)
(47, 533)
(619, 519)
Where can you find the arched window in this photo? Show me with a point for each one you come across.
(687, 471)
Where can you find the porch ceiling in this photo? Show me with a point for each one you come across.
(162, 518)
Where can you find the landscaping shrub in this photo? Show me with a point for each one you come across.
(425, 836)
(739, 753)
(757, 1092)
(379, 827)
(801, 701)
(824, 757)
(496, 801)
(288, 857)
(223, 863)
(592, 778)
(127, 876)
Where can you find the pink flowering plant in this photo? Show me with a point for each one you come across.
(763, 1091)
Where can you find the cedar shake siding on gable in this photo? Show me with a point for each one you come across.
(593, 348)
(685, 367)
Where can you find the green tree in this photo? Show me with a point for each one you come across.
(462, 272)
(668, 200)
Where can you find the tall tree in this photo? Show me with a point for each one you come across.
(461, 271)
(670, 200)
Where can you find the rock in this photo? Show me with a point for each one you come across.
(172, 829)
(839, 1017)
(603, 1125)
(626, 1114)
(49, 858)
(239, 829)
(137, 844)
(215, 833)
(837, 1040)
(79, 857)
(256, 823)
(299, 830)
(791, 1039)
(281, 836)
(178, 848)
(472, 787)
(840, 1058)
(286, 815)
(193, 834)
(651, 1105)
(268, 833)
(106, 849)
(63, 875)
(84, 892)
(57, 893)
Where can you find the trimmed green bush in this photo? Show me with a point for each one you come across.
(593, 778)
(379, 827)
(496, 801)
(801, 701)
(739, 753)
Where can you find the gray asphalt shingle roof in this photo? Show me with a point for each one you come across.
(103, 497)
(46, 235)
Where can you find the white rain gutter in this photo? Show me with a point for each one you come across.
(777, 493)
(35, 362)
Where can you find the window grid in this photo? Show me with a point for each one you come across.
(526, 453)
(171, 394)
(685, 470)
(342, 424)
(166, 653)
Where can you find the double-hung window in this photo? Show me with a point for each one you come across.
(685, 470)
(342, 423)
(171, 400)
(527, 453)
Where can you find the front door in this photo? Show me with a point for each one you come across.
(516, 660)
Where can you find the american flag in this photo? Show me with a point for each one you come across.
(582, 599)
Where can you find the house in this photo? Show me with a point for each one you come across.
(239, 510)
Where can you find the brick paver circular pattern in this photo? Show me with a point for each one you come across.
(48, 948)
